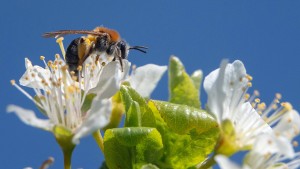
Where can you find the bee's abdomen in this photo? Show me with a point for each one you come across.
(72, 58)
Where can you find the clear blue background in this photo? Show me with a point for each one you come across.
(265, 35)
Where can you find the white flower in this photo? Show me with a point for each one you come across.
(226, 88)
(145, 78)
(289, 125)
(269, 152)
(60, 96)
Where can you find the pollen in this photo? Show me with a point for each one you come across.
(250, 78)
(287, 106)
(295, 143)
(59, 40)
(61, 46)
(57, 56)
(247, 96)
(50, 63)
(257, 100)
(256, 92)
(79, 68)
(278, 96)
(48, 92)
(71, 89)
(103, 63)
(261, 106)
(249, 84)
(12, 82)
(42, 57)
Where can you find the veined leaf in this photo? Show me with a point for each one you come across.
(183, 89)
(188, 134)
(133, 147)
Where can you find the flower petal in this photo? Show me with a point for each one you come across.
(98, 117)
(247, 120)
(289, 125)
(224, 87)
(225, 163)
(270, 144)
(213, 85)
(145, 78)
(33, 76)
(112, 73)
(29, 118)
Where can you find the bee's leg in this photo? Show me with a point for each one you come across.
(117, 55)
(120, 58)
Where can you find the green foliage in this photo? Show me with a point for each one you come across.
(188, 134)
(157, 134)
(132, 147)
(138, 114)
(183, 89)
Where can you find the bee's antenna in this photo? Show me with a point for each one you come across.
(139, 48)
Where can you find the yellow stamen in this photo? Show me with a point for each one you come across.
(50, 63)
(261, 106)
(48, 92)
(287, 106)
(257, 100)
(79, 68)
(61, 45)
(42, 57)
(247, 96)
(250, 78)
(71, 89)
(13, 82)
(256, 92)
(295, 143)
(249, 84)
(57, 56)
(278, 96)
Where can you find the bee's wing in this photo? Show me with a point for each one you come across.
(69, 32)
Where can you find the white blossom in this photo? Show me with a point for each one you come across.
(145, 78)
(226, 88)
(60, 95)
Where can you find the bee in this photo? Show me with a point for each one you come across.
(99, 41)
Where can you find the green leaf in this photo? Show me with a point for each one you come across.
(117, 112)
(87, 102)
(132, 147)
(189, 134)
(138, 114)
(183, 89)
(197, 77)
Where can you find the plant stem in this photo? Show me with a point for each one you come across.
(67, 158)
(99, 140)
(209, 162)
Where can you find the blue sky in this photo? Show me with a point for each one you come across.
(265, 35)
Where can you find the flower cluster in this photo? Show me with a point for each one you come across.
(168, 134)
